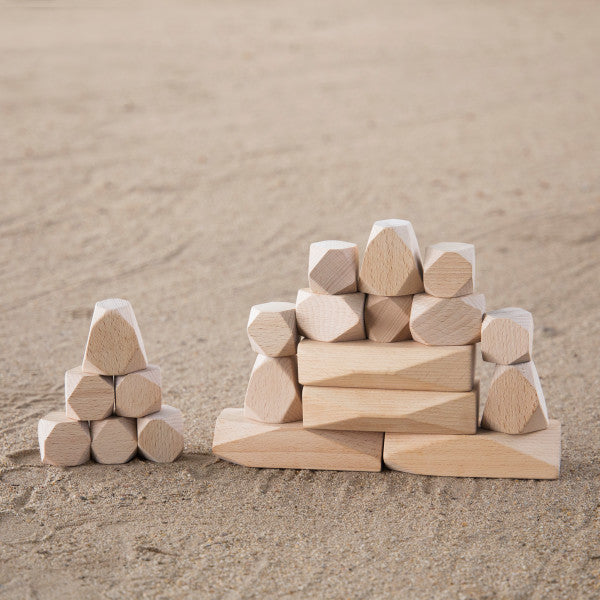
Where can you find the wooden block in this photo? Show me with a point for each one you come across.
(88, 396)
(355, 409)
(289, 446)
(272, 328)
(138, 394)
(114, 345)
(114, 440)
(449, 269)
(397, 366)
(387, 318)
(447, 321)
(392, 262)
(515, 402)
(63, 441)
(160, 435)
(507, 336)
(330, 318)
(487, 454)
(333, 267)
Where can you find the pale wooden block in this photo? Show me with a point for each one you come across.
(289, 446)
(272, 328)
(447, 321)
(63, 441)
(397, 366)
(273, 393)
(486, 454)
(114, 345)
(88, 396)
(387, 318)
(114, 440)
(392, 262)
(138, 394)
(449, 269)
(507, 336)
(327, 318)
(160, 435)
(333, 267)
(515, 402)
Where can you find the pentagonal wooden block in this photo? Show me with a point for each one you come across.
(447, 321)
(63, 441)
(387, 318)
(138, 394)
(449, 269)
(273, 394)
(392, 262)
(114, 440)
(114, 345)
(507, 336)
(160, 435)
(272, 328)
(515, 402)
(330, 318)
(88, 396)
(333, 267)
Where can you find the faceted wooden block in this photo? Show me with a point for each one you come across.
(63, 441)
(449, 269)
(160, 435)
(272, 328)
(333, 267)
(138, 394)
(114, 440)
(387, 318)
(507, 336)
(88, 396)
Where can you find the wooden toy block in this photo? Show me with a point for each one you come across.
(333, 267)
(392, 262)
(272, 329)
(160, 435)
(114, 440)
(447, 321)
(273, 393)
(330, 318)
(289, 446)
(138, 394)
(63, 441)
(449, 269)
(486, 454)
(114, 345)
(397, 366)
(507, 336)
(88, 396)
(387, 318)
(515, 402)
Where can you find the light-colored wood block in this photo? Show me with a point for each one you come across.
(114, 345)
(289, 446)
(398, 366)
(63, 441)
(139, 393)
(515, 402)
(272, 329)
(114, 440)
(333, 267)
(447, 321)
(391, 265)
(387, 318)
(88, 396)
(449, 269)
(486, 454)
(507, 336)
(327, 318)
(160, 435)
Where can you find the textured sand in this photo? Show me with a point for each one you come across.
(183, 157)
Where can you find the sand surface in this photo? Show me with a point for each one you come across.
(184, 156)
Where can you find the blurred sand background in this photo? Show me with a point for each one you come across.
(183, 155)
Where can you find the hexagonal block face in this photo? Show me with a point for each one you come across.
(114, 440)
(160, 435)
(138, 394)
(333, 267)
(449, 269)
(272, 329)
(507, 336)
(88, 396)
(63, 441)
(387, 318)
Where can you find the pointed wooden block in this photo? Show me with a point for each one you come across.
(272, 328)
(333, 267)
(160, 435)
(289, 446)
(392, 262)
(114, 440)
(387, 318)
(138, 394)
(88, 396)
(447, 321)
(486, 454)
(397, 366)
(330, 318)
(114, 345)
(507, 336)
(515, 402)
(449, 269)
(63, 441)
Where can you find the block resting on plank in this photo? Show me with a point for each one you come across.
(387, 318)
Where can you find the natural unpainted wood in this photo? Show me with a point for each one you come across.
(160, 435)
(507, 336)
(333, 267)
(63, 441)
(387, 318)
(449, 269)
(88, 396)
(138, 394)
(114, 440)
(272, 328)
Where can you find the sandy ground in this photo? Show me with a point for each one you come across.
(183, 156)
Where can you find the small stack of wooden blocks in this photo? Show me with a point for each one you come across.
(113, 400)
(385, 372)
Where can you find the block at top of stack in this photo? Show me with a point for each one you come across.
(333, 267)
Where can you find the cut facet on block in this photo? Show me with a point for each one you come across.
(88, 396)
(160, 435)
(138, 394)
(333, 267)
(507, 336)
(63, 441)
(272, 328)
(387, 318)
(114, 440)
(449, 269)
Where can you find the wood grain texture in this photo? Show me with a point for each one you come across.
(160, 434)
(333, 267)
(507, 336)
(138, 394)
(272, 328)
(114, 440)
(449, 269)
(88, 396)
(63, 441)
(387, 318)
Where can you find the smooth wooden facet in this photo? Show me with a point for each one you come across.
(88, 396)
(63, 441)
(333, 267)
(138, 394)
(272, 328)
(114, 440)
(449, 269)
(160, 435)
(387, 318)
(507, 336)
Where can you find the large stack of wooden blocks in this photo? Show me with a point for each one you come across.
(385, 370)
